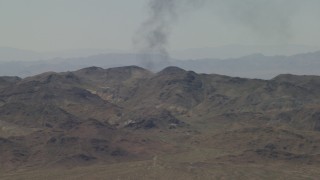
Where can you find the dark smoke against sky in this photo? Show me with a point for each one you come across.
(268, 21)
(47, 25)
(152, 37)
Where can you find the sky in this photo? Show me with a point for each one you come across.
(53, 25)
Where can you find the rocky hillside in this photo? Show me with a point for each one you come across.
(123, 114)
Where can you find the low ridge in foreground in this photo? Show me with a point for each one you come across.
(130, 123)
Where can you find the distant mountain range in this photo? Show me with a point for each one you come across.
(252, 66)
(236, 51)
(8, 54)
(222, 52)
(257, 65)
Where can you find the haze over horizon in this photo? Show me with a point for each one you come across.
(68, 35)
(159, 89)
(42, 25)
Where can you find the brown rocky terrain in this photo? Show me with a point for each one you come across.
(177, 122)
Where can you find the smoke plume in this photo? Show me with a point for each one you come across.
(152, 37)
(268, 20)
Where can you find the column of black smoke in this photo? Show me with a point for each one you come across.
(152, 37)
(268, 19)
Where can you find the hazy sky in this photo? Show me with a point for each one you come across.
(50, 25)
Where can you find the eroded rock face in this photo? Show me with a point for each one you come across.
(97, 114)
(156, 119)
(316, 118)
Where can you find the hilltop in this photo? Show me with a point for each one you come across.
(174, 122)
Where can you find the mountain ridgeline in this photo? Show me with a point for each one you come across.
(124, 114)
(249, 66)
